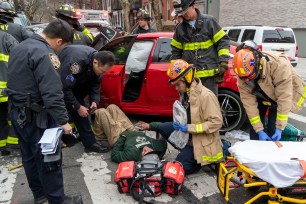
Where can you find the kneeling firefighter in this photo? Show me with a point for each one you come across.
(204, 118)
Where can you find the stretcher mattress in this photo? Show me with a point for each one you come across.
(275, 164)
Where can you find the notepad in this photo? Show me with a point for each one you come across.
(50, 140)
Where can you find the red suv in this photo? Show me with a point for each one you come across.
(138, 82)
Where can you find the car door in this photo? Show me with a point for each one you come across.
(160, 94)
(134, 97)
(112, 81)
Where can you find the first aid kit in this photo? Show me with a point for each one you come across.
(149, 178)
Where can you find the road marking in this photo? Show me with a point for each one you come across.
(7, 181)
(297, 117)
(201, 185)
(100, 184)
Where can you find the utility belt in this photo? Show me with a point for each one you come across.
(149, 178)
(32, 111)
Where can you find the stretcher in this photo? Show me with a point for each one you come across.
(283, 184)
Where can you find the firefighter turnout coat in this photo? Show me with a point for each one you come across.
(205, 45)
(206, 121)
(280, 82)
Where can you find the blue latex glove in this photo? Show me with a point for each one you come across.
(277, 135)
(184, 128)
(176, 125)
(263, 136)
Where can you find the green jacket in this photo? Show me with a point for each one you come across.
(130, 144)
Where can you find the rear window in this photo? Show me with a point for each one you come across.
(278, 36)
(234, 34)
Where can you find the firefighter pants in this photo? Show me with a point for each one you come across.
(44, 178)
(209, 82)
(186, 156)
(7, 134)
(109, 123)
(271, 117)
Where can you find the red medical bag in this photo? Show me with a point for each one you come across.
(173, 177)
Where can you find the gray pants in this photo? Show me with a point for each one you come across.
(209, 82)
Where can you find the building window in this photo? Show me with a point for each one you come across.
(168, 10)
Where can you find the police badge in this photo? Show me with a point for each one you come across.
(75, 68)
(54, 61)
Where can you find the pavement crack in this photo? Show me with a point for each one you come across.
(4, 180)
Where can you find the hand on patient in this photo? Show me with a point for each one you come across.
(177, 126)
(142, 125)
(263, 136)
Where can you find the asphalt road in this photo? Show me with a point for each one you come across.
(91, 175)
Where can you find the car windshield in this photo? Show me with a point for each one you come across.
(278, 36)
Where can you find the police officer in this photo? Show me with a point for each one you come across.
(200, 40)
(35, 91)
(7, 136)
(82, 35)
(143, 20)
(7, 14)
(81, 70)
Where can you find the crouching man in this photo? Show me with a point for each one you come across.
(204, 119)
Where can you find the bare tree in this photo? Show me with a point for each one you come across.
(126, 10)
(157, 15)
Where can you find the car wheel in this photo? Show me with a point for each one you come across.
(232, 110)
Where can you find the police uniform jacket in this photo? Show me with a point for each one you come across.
(205, 45)
(78, 77)
(8, 42)
(16, 30)
(32, 69)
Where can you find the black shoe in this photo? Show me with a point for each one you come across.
(96, 148)
(5, 152)
(77, 199)
(41, 200)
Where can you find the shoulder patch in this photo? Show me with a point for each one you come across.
(54, 61)
(75, 68)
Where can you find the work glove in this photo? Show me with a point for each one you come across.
(277, 135)
(219, 75)
(177, 126)
(263, 136)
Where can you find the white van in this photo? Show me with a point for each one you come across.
(268, 38)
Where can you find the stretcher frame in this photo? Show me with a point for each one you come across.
(226, 176)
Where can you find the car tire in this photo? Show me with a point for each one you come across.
(232, 110)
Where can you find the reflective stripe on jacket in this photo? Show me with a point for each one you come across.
(8, 42)
(280, 82)
(205, 46)
(206, 122)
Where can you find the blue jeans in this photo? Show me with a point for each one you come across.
(186, 156)
(45, 179)
(270, 128)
